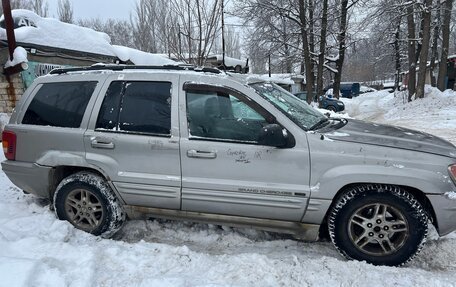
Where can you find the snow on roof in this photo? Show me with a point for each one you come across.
(229, 62)
(282, 79)
(141, 58)
(53, 33)
(19, 56)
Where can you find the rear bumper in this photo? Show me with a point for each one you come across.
(29, 177)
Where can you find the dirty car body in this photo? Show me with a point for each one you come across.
(207, 147)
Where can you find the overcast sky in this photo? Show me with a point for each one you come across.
(119, 9)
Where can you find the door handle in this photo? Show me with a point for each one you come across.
(102, 143)
(201, 154)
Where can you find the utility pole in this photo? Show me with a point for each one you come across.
(9, 25)
(11, 38)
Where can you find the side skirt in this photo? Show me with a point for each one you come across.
(302, 231)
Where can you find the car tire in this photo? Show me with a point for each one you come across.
(87, 201)
(331, 108)
(379, 224)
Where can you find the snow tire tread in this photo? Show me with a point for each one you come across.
(359, 190)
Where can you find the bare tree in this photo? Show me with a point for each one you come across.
(321, 54)
(232, 44)
(40, 7)
(445, 45)
(341, 39)
(120, 31)
(397, 53)
(411, 51)
(275, 35)
(306, 50)
(18, 4)
(436, 27)
(21, 4)
(426, 27)
(143, 26)
(65, 11)
(198, 22)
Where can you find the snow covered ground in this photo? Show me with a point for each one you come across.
(38, 250)
(435, 114)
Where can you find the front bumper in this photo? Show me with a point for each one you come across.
(29, 177)
(445, 213)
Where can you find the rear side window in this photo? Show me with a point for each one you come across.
(138, 107)
(59, 104)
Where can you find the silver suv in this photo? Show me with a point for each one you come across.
(104, 143)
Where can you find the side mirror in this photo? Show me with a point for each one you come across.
(273, 135)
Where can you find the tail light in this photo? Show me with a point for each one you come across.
(452, 171)
(9, 144)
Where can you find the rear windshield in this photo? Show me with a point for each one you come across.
(59, 104)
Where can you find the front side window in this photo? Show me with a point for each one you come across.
(221, 116)
(138, 107)
(59, 104)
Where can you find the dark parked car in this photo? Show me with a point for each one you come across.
(347, 89)
(325, 102)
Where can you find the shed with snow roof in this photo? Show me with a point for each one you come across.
(51, 44)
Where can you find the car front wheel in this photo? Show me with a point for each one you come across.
(379, 224)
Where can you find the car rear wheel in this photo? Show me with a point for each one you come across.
(332, 108)
(380, 224)
(86, 201)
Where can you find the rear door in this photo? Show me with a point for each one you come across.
(133, 137)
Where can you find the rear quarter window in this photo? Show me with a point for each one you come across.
(59, 104)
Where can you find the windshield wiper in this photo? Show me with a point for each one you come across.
(321, 123)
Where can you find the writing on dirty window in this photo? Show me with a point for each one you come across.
(221, 116)
(139, 107)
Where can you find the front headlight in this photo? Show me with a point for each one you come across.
(340, 104)
(452, 172)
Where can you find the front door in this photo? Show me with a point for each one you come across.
(131, 139)
(224, 168)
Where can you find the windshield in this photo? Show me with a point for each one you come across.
(295, 109)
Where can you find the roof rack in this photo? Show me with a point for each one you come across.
(60, 71)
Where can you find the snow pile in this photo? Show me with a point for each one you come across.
(4, 119)
(436, 104)
(53, 33)
(366, 89)
(369, 105)
(435, 113)
(19, 57)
